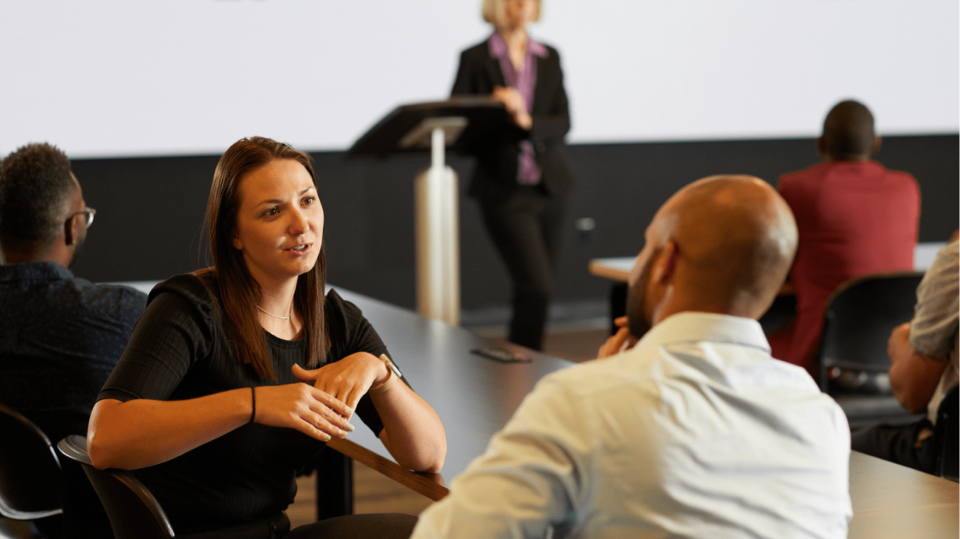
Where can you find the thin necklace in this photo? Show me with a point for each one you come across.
(273, 315)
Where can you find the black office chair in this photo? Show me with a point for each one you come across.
(853, 361)
(31, 484)
(947, 436)
(133, 511)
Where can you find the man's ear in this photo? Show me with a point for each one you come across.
(71, 230)
(876, 145)
(820, 148)
(666, 263)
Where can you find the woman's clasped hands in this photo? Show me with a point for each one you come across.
(323, 410)
(312, 411)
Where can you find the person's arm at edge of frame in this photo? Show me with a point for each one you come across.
(913, 376)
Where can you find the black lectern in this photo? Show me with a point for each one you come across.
(458, 124)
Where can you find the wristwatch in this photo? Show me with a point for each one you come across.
(390, 365)
(393, 374)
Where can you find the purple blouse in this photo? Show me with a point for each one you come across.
(527, 173)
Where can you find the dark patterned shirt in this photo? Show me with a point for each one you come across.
(60, 337)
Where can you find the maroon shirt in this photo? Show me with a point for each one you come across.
(854, 218)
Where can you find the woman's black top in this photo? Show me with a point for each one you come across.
(180, 350)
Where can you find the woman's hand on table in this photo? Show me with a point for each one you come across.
(310, 410)
(348, 379)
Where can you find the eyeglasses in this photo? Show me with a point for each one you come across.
(90, 213)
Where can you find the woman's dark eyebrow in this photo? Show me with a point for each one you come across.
(276, 201)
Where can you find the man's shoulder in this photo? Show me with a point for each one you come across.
(800, 185)
(805, 174)
(595, 370)
(57, 284)
(35, 271)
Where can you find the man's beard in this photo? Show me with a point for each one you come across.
(637, 321)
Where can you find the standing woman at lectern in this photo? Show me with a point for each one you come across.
(521, 178)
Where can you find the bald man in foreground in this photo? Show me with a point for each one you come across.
(693, 430)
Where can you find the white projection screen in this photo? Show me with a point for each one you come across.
(105, 78)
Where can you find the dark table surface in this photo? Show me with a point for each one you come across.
(474, 396)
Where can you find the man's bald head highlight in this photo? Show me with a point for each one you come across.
(733, 239)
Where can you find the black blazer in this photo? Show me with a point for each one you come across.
(495, 176)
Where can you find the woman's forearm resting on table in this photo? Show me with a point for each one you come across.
(412, 430)
(143, 432)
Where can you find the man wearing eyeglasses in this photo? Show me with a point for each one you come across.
(60, 335)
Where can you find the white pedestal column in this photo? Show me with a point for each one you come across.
(438, 237)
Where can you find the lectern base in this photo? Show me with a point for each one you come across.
(438, 244)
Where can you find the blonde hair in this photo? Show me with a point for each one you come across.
(492, 11)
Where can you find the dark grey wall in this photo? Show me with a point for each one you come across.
(150, 210)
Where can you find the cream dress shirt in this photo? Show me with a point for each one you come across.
(695, 432)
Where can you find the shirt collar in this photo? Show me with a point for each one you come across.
(498, 47)
(697, 327)
(34, 271)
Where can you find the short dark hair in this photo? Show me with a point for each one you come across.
(36, 184)
(848, 131)
(239, 292)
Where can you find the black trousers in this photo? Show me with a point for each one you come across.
(899, 444)
(526, 231)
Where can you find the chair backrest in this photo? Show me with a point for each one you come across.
(947, 436)
(31, 484)
(860, 315)
(133, 511)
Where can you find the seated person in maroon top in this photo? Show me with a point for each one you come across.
(855, 217)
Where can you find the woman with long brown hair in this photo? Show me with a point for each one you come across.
(209, 403)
